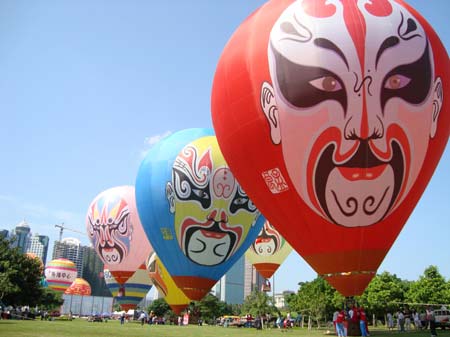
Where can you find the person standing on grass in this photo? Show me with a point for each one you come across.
(363, 322)
(142, 318)
(416, 319)
(335, 316)
(390, 321)
(340, 324)
(432, 321)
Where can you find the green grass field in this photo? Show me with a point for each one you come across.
(80, 327)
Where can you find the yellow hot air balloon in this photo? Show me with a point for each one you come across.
(268, 251)
(79, 287)
(166, 286)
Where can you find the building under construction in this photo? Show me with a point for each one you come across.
(89, 266)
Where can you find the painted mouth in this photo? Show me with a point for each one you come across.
(362, 190)
(209, 246)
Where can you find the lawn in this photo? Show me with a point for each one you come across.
(81, 327)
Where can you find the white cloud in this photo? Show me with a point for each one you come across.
(152, 140)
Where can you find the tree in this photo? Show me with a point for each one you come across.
(159, 307)
(50, 299)
(316, 299)
(257, 303)
(20, 277)
(383, 294)
(210, 307)
(430, 288)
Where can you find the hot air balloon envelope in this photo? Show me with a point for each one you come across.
(130, 293)
(116, 233)
(268, 251)
(198, 218)
(60, 273)
(79, 287)
(37, 258)
(162, 280)
(333, 116)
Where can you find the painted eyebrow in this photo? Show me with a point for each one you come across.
(390, 42)
(327, 44)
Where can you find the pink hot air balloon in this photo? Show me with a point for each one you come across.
(114, 228)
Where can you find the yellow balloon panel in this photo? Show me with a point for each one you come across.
(166, 286)
(268, 251)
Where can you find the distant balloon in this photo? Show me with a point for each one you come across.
(198, 218)
(333, 116)
(79, 287)
(162, 280)
(130, 293)
(37, 258)
(268, 251)
(116, 233)
(60, 273)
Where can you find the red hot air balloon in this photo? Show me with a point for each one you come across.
(333, 116)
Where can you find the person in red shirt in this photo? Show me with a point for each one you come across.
(340, 323)
(363, 322)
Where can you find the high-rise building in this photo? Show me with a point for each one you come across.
(71, 249)
(20, 236)
(253, 279)
(38, 245)
(4, 233)
(93, 272)
(238, 282)
(230, 287)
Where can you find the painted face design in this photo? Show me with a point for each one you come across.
(268, 242)
(211, 209)
(353, 105)
(110, 228)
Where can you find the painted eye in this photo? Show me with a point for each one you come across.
(200, 193)
(240, 201)
(202, 247)
(326, 83)
(396, 82)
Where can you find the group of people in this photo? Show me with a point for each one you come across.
(405, 318)
(342, 319)
(284, 322)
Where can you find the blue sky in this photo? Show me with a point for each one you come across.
(87, 86)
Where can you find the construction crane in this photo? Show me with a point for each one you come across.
(62, 228)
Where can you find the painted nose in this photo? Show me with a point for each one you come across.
(363, 125)
(218, 216)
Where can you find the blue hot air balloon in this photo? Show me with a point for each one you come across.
(195, 214)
